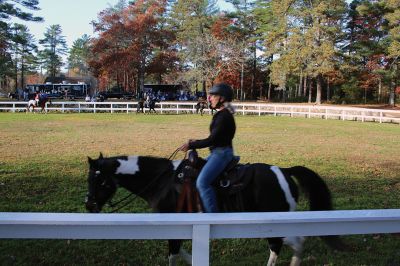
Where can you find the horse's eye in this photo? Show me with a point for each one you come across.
(180, 175)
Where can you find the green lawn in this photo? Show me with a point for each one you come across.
(43, 169)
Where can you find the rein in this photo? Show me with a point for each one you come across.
(112, 205)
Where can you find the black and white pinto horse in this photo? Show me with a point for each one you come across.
(32, 104)
(269, 189)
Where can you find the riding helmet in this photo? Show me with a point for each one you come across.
(223, 90)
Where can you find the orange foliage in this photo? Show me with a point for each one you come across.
(34, 79)
(126, 41)
(220, 28)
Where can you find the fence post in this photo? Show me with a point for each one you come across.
(326, 113)
(79, 107)
(13, 109)
(201, 245)
(380, 117)
(62, 107)
(259, 110)
(94, 107)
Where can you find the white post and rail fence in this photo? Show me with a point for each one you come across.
(292, 110)
(198, 227)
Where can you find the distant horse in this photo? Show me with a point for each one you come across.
(151, 104)
(200, 106)
(32, 104)
(211, 108)
(266, 188)
(140, 106)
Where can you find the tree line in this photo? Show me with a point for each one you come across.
(283, 50)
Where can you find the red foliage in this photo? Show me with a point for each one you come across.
(369, 81)
(34, 79)
(220, 28)
(397, 90)
(126, 41)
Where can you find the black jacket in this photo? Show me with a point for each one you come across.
(222, 131)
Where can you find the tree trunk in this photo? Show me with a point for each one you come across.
(299, 93)
(22, 82)
(269, 90)
(328, 91)
(379, 90)
(253, 82)
(305, 86)
(319, 89)
(309, 91)
(141, 79)
(241, 82)
(391, 93)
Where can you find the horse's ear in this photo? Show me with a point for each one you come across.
(91, 161)
(101, 156)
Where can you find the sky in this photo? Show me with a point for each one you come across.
(74, 17)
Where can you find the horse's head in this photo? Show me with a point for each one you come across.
(101, 184)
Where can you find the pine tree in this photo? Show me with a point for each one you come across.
(9, 8)
(24, 48)
(192, 20)
(12, 9)
(79, 55)
(55, 46)
(393, 17)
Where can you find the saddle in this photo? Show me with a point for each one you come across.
(228, 185)
(232, 179)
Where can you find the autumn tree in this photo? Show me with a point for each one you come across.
(129, 40)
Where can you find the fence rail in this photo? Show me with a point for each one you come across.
(198, 227)
(316, 111)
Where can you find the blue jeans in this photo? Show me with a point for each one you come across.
(216, 163)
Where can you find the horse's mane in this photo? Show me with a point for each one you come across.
(161, 170)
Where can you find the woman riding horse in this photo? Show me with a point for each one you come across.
(266, 188)
(40, 100)
(222, 131)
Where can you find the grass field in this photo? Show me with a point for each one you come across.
(43, 168)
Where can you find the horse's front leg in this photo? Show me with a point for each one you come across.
(176, 250)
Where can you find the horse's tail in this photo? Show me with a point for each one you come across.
(318, 192)
(319, 197)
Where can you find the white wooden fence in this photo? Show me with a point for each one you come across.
(198, 227)
(318, 111)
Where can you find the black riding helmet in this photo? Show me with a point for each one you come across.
(222, 89)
